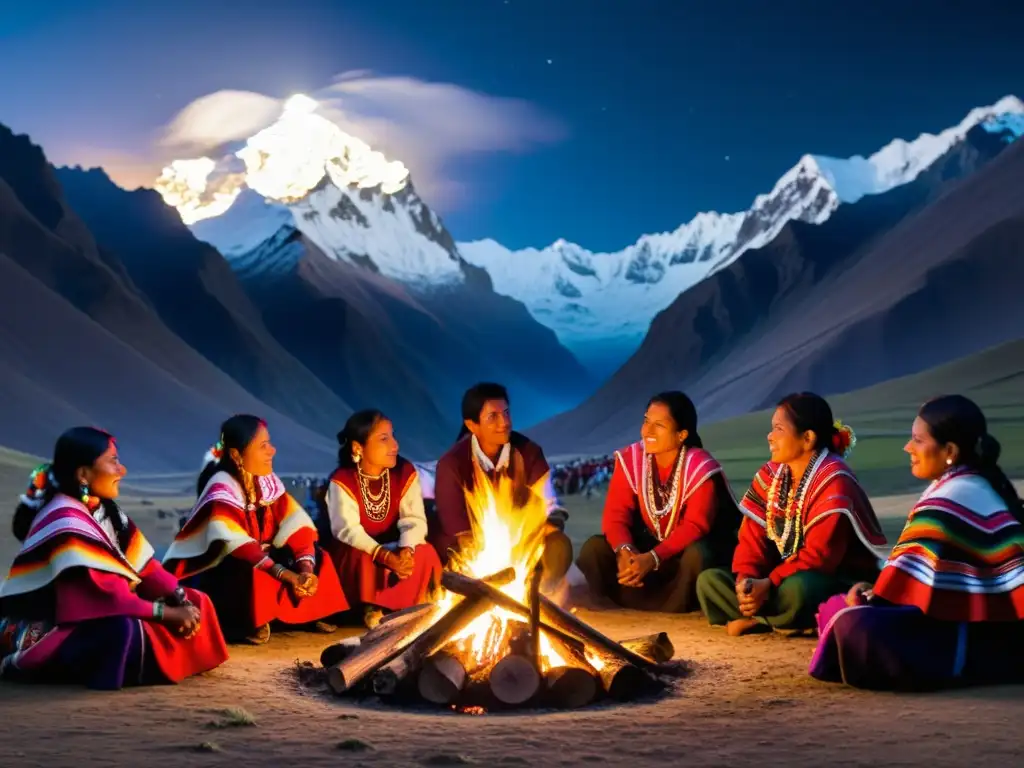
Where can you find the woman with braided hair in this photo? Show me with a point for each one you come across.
(378, 527)
(250, 545)
(809, 529)
(948, 607)
(85, 601)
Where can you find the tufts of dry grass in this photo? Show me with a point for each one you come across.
(233, 717)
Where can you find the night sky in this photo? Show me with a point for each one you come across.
(650, 111)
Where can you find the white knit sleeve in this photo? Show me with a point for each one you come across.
(343, 512)
(412, 518)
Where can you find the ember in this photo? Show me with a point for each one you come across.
(492, 639)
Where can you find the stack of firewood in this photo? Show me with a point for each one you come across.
(411, 654)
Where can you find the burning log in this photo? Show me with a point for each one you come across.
(547, 654)
(443, 675)
(656, 648)
(533, 651)
(565, 621)
(496, 644)
(501, 578)
(391, 673)
(377, 651)
(397, 621)
(442, 678)
(515, 679)
(406, 614)
(467, 586)
(573, 682)
(621, 680)
(336, 653)
(333, 654)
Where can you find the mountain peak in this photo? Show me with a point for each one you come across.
(601, 302)
(1007, 105)
(304, 174)
(284, 162)
(900, 161)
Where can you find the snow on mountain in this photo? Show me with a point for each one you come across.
(251, 220)
(900, 161)
(304, 173)
(397, 234)
(601, 304)
(1010, 123)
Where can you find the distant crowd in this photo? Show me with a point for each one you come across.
(583, 476)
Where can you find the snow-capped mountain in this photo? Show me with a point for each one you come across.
(361, 280)
(305, 173)
(601, 304)
(397, 236)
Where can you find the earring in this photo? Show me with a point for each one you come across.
(357, 457)
(85, 493)
(949, 462)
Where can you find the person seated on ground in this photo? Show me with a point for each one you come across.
(487, 447)
(809, 529)
(668, 515)
(85, 601)
(377, 526)
(249, 544)
(947, 607)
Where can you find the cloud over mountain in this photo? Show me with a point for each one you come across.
(427, 124)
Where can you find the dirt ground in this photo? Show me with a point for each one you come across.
(747, 701)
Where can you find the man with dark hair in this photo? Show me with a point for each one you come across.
(488, 446)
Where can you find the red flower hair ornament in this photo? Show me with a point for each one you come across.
(215, 453)
(40, 480)
(844, 439)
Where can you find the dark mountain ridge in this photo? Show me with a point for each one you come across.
(825, 307)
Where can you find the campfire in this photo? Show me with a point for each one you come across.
(492, 640)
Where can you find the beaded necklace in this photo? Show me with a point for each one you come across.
(652, 490)
(788, 540)
(376, 505)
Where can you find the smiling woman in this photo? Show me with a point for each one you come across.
(250, 545)
(85, 600)
(668, 515)
(809, 527)
(948, 607)
(378, 526)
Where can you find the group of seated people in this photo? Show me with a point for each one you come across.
(85, 599)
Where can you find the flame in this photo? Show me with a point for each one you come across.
(504, 536)
(284, 162)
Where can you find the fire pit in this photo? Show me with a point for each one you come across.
(492, 640)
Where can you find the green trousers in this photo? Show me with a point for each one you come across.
(791, 605)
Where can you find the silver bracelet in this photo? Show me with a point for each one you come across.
(657, 560)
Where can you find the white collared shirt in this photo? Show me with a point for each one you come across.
(484, 461)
